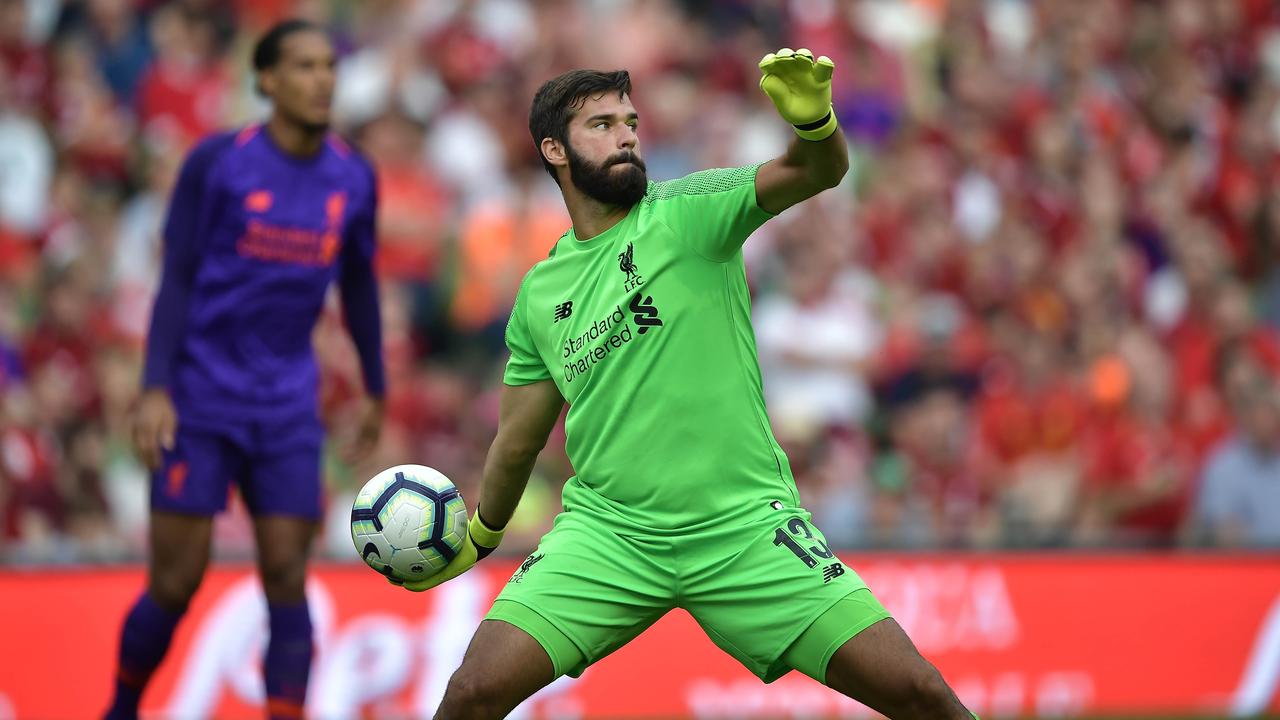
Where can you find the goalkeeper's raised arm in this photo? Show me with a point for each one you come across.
(800, 88)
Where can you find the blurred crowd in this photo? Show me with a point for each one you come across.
(1042, 310)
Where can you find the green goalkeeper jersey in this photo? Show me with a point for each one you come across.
(646, 330)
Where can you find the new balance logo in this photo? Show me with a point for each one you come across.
(646, 315)
(258, 201)
(525, 567)
(831, 572)
(564, 310)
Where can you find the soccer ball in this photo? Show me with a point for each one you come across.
(408, 522)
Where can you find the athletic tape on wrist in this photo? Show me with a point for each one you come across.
(489, 538)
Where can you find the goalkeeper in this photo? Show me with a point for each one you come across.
(640, 320)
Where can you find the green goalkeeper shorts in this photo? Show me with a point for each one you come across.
(768, 592)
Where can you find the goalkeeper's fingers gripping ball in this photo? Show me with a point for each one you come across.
(479, 542)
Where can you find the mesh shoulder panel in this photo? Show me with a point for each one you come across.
(703, 182)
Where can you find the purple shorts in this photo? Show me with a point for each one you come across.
(276, 465)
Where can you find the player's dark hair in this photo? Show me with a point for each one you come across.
(560, 97)
(267, 52)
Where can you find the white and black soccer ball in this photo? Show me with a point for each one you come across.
(408, 522)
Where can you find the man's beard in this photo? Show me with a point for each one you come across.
(603, 183)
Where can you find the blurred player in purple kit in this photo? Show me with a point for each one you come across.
(261, 222)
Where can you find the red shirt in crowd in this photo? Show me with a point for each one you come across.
(1018, 421)
(190, 100)
(1128, 455)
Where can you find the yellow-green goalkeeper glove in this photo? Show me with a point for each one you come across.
(800, 87)
(479, 542)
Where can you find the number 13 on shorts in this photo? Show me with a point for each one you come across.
(797, 537)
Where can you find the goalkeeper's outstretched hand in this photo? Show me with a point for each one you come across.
(800, 87)
(479, 542)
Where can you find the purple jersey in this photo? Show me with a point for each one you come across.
(253, 239)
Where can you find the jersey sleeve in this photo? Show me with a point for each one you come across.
(525, 365)
(183, 243)
(715, 210)
(360, 288)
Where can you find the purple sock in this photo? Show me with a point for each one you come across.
(288, 661)
(148, 629)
